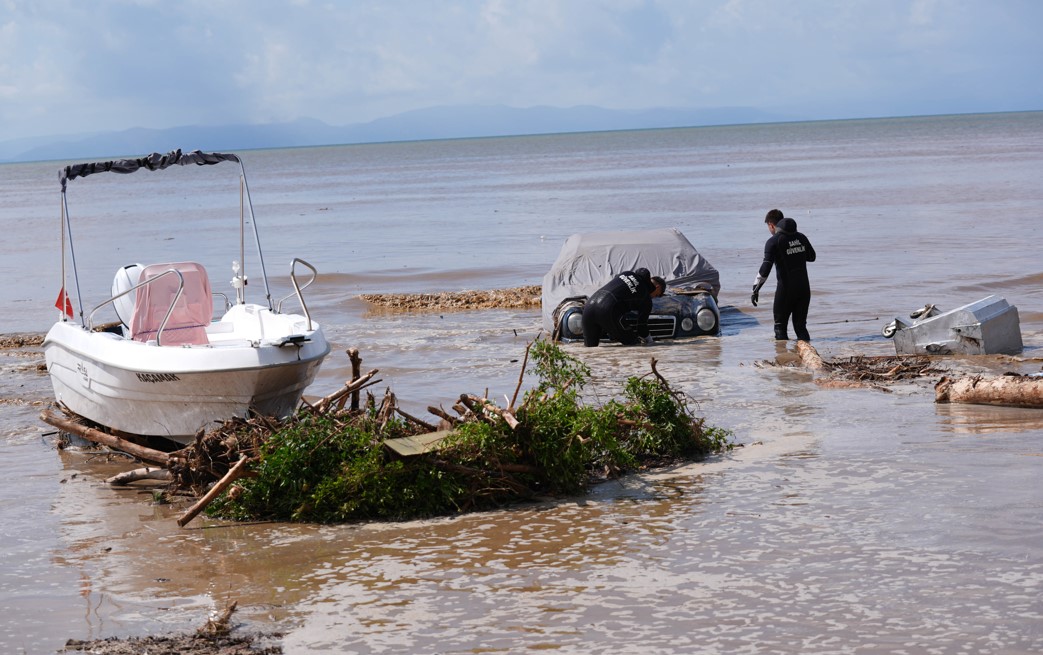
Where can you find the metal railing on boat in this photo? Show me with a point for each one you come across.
(297, 289)
(170, 310)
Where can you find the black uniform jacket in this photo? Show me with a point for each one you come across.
(789, 251)
(626, 292)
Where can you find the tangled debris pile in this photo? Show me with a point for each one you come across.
(335, 466)
(213, 638)
(335, 462)
(1010, 389)
(874, 371)
(864, 371)
(518, 297)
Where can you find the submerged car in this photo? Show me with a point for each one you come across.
(589, 260)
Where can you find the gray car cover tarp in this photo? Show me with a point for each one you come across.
(588, 261)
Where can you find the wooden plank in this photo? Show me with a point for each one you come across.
(417, 444)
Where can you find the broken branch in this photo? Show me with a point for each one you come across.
(234, 473)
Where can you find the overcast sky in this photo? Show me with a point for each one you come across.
(73, 66)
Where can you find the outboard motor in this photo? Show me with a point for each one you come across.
(125, 280)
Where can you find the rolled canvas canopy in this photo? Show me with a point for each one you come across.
(153, 162)
(588, 261)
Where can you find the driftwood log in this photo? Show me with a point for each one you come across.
(146, 473)
(234, 473)
(1006, 390)
(810, 356)
(143, 453)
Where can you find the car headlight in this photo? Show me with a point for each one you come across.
(574, 322)
(706, 319)
(686, 324)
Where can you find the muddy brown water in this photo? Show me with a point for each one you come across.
(849, 520)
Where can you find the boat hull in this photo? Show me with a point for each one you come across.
(173, 392)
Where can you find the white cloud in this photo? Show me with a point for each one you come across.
(68, 66)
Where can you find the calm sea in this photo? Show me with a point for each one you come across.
(851, 521)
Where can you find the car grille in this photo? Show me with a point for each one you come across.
(659, 326)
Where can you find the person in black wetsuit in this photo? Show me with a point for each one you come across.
(628, 291)
(789, 251)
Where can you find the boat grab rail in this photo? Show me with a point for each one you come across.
(170, 310)
(297, 289)
(224, 296)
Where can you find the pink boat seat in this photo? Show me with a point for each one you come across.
(190, 316)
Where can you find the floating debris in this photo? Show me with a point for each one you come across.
(526, 297)
(863, 372)
(884, 369)
(213, 638)
(11, 341)
(335, 462)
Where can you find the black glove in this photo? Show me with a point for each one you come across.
(757, 284)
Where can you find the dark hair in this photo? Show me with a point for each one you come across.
(773, 217)
(659, 282)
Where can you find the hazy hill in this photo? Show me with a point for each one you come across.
(422, 124)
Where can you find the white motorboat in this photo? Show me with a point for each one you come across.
(167, 367)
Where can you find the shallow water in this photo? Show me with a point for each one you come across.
(850, 521)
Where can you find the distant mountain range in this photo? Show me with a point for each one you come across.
(418, 125)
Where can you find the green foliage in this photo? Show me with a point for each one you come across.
(324, 468)
(557, 370)
(664, 426)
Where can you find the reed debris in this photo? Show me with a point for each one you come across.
(525, 297)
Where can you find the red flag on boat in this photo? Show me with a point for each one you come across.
(63, 303)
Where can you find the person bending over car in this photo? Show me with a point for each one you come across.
(604, 310)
